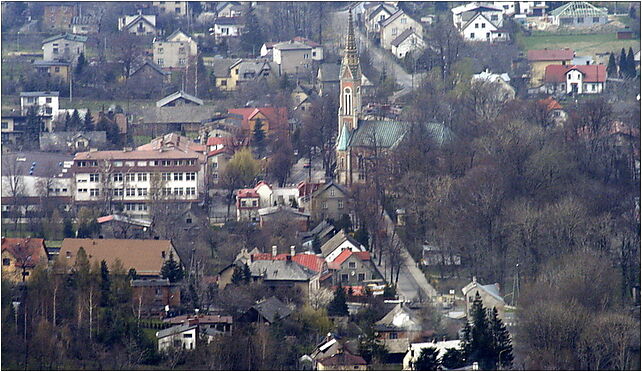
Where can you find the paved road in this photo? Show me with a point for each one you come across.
(299, 173)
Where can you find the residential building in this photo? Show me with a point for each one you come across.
(377, 14)
(582, 79)
(353, 269)
(269, 215)
(72, 142)
(464, 13)
(178, 337)
(145, 256)
(63, 47)
(527, 8)
(148, 79)
(539, 59)
(578, 14)
(556, 113)
(231, 73)
(175, 51)
(313, 262)
(395, 25)
(120, 226)
(229, 9)
(342, 361)
(247, 205)
(329, 201)
(58, 16)
(20, 256)
(13, 127)
(220, 151)
(151, 297)
(328, 78)
(292, 57)
(414, 351)
(225, 27)
(320, 234)
(220, 323)
(408, 41)
(266, 311)
(54, 69)
(337, 244)
(481, 28)
(301, 99)
(399, 328)
(285, 273)
(85, 25)
(176, 8)
(274, 196)
(47, 103)
(435, 256)
(139, 24)
(171, 168)
(489, 295)
(274, 120)
(179, 98)
(503, 91)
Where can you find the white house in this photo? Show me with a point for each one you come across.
(269, 196)
(480, 28)
(227, 27)
(377, 14)
(337, 244)
(177, 8)
(181, 337)
(415, 350)
(408, 41)
(67, 47)
(47, 103)
(395, 25)
(576, 79)
(139, 24)
(464, 13)
(502, 81)
(175, 51)
(525, 8)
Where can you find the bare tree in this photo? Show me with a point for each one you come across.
(13, 179)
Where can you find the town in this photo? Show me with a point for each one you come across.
(372, 185)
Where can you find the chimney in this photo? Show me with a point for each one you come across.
(474, 279)
(274, 251)
(497, 286)
(292, 250)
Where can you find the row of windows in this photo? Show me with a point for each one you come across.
(345, 277)
(324, 205)
(139, 163)
(135, 207)
(143, 177)
(133, 191)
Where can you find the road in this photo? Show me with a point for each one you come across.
(299, 173)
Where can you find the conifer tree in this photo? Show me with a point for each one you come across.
(105, 285)
(88, 125)
(611, 69)
(247, 273)
(172, 270)
(258, 138)
(427, 360)
(338, 306)
(452, 359)
(630, 63)
(501, 340)
(252, 37)
(623, 63)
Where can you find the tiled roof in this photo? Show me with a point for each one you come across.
(550, 55)
(330, 72)
(280, 270)
(403, 36)
(144, 255)
(173, 141)
(592, 73)
(214, 141)
(29, 251)
(343, 359)
(124, 218)
(551, 104)
(336, 241)
(312, 262)
(276, 116)
(343, 256)
(247, 193)
(40, 94)
(151, 64)
(272, 309)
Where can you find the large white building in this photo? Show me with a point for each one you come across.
(175, 51)
(47, 103)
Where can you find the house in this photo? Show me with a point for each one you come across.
(175, 51)
(179, 337)
(247, 205)
(464, 13)
(431, 256)
(328, 78)
(139, 24)
(342, 361)
(407, 42)
(313, 262)
(300, 220)
(64, 47)
(85, 25)
(300, 99)
(555, 111)
(329, 201)
(152, 297)
(220, 151)
(377, 14)
(527, 8)
(58, 16)
(145, 256)
(489, 295)
(399, 328)
(179, 98)
(625, 33)
(292, 57)
(176, 8)
(220, 323)
(273, 196)
(500, 82)
(285, 273)
(186, 119)
(229, 9)
(120, 226)
(171, 168)
(582, 79)
(415, 350)
(267, 49)
(54, 69)
(321, 233)
(395, 25)
(20, 256)
(13, 127)
(250, 201)
(481, 28)
(353, 269)
(578, 14)
(337, 244)
(267, 311)
(72, 142)
(274, 120)
(539, 59)
(47, 103)
(148, 77)
(225, 27)
(231, 73)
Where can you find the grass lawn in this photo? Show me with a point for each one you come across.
(96, 105)
(583, 44)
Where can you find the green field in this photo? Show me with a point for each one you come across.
(583, 44)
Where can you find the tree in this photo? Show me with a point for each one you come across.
(338, 306)
(172, 270)
(240, 171)
(453, 359)
(611, 69)
(105, 285)
(258, 138)
(14, 180)
(427, 360)
(252, 36)
(478, 344)
(281, 160)
(240, 274)
(501, 341)
(630, 63)
(623, 64)
(111, 129)
(89, 122)
(75, 123)
(80, 64)
(33, 126)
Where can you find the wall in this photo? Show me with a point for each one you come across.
(62, 49)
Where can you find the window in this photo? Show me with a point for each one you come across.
(118, 192)
(487, 35)
(361, 277)
(166, 176)
(324, 205)
(178, 176)
(344, 277)
(393, 335)
(190, 176)
(166, 163)
(191, 162)
(159, 50)
(224, 83)
(347, 101)
(94, 177)
(187, 335)
(362, 176)
(166, 191)
(181, 50)
(142, 163)
(394, 31)
(580, 19)
(130, 177)
(494, 17)
(130, 191)
(5, 125)
(596, 19)
(404, 20)
(188, 220)
(332, 192)
(472, 35)
(178, 191)
(48, 99)
(181, 61)
(340, 204)
(56, 69)
(190, 191)
(94, 192)
(483, 25)
(82, 190)
(6, 262)
(160, 61)
(142, 192)
(142, 207)
(117, 177)
(476, 25)
(178, 10)
(48, 110)
(142, 176)
(118, 164)
(352, 265)
(314, 54)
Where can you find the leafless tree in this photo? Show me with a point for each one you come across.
(13, 177)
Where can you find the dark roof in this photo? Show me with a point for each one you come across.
(343, 359)
(45, 163)
(177, 114)
(50, 63)
(58, 141)
(404, 35)
(175, 330)
(151, 64)
(40, 94)
(66, 36)
(150, 283)
(272, 309)
(330, 72)
(221, 66)
(176, 95)
(84, 20)
(282, 270)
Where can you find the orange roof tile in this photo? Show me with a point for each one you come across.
(30, 251)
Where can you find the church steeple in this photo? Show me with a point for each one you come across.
(350, 85)
(351, 55)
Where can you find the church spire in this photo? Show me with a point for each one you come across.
(351, 56)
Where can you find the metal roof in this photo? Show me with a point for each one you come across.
(66, 36)
(177, 95)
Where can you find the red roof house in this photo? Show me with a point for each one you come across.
(550, 55)
(274, 119)
(22, 255)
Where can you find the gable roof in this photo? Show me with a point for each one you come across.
(578, 9)
(177, 329)
(592, 73)
(401, 317)
(343, 256)
(142, 17)
(310, 261)
(125, 219)
(329, 72)
(177, 33)
(489, 288)
(222, 66)
(173, 141)
(291, 45)
(29, 251)
(151, 64)
(281, 270)
(382, 6)
(327, 185)
(550, 55)
(550, 103)
(333, 243)
(403, 36)
(272, 309)
(228, 21)
(66, 36)
(393, 17)
(477, 15)
(475, 6)
(282, 209)
(344, 358)
(389, 133)
(180, 94)
(276, 116)
(144, 255)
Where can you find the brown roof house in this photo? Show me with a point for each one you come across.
(334, 354)
(330, 200)
(20, 256)
(152, 297)
(145, 256)
(540, 58)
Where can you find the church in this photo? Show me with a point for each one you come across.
(359, 139)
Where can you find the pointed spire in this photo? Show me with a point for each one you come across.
(351, 56)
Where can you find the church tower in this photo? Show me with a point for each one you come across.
(349, 105)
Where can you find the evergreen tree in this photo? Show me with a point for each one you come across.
(75, 123)
(258, 138)
(132, 274)
(252, 37)
(89, 122)
(237, 276)
(501, 341)
(623, 63)
(338, 306)
(80, 64)
(480, 336)
(611, 69)
(105, 285)
(362, 237)
(67, 120)
(630, 63)
(453, 359)
(68, 228)
(427, 360)
(247, 273)
(33, 126)
(172, 270)
(632, 12)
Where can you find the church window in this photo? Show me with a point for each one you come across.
(347, 101)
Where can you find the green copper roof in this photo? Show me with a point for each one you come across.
(389, 133)
(344, 139)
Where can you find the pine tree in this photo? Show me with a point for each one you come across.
(427, 360)
(105, 285)
(630, 63)
(75, 123)
(252, 37)
(89, 122)
(247, 273)
(237, 275)
(338, 306)
(172, 270)
(67, 120)
(501, 341)
(481, 350)
(68, 228)
(258, 138)
(80, 64)
(33, 126)
(623, 65)
(611, 69)
(453, 359)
